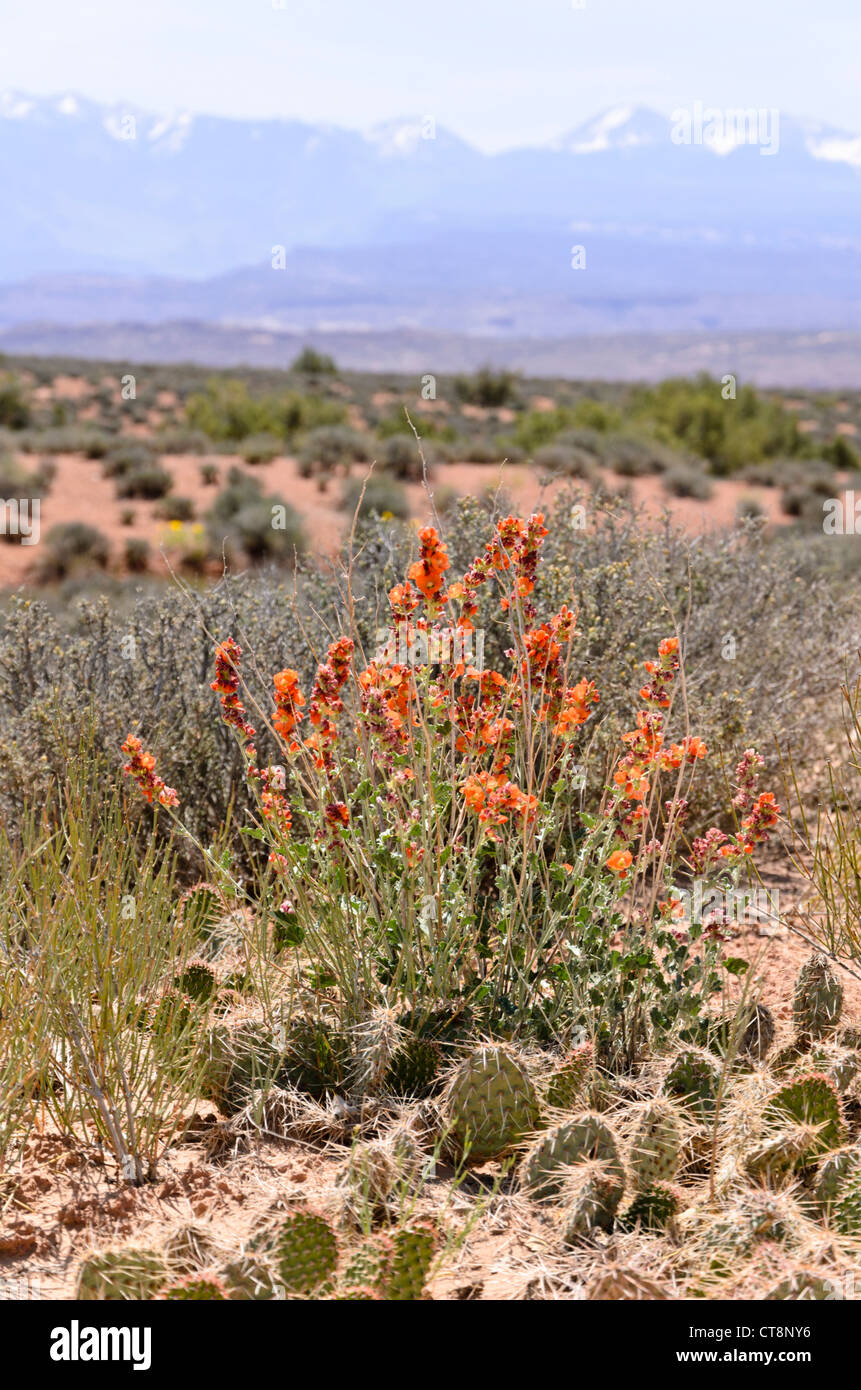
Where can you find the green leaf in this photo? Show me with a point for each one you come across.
(736, 966)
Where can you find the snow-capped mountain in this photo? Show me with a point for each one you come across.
(409, 220)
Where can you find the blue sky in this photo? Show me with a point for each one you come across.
(498, 72)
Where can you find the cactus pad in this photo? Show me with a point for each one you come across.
(490, 1103)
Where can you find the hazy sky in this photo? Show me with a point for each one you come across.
(499, 72)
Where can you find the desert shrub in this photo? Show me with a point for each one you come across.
(72, 546)
(260, 448)
(688, 481)
(750, 509)
(71, 439)
(729, 433)
(14, 409)
(147, 481)
(841, 454)
(400, 456)
(478, 451)
(332, 447)
(127, 455)
(538, 427)
(313, 363)
(636, 455)
(383, 494)
(597, 415)
(805, 486)
(227, 412)
(174, 509)
(136, 554)
(16, 481)
(208, 474)
(570, 462)
(187, 546)
(179, 439)
(487, 388)
(243, 519)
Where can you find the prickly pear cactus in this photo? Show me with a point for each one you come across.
(834, 1174)
(757, 1216)
(317, 1058)
(592, 1192)
(846, 1210)
(757, 1034)
(414, 1248)
(489, 1104)
(653, 1208)
(136, 1275)
(776, 1157)
(200, 909)
(811, 1099)
(305, 1252)
(370, 1266)
(576, 1141)
(568, 1081)
(171, 1015)
(839, 1064)
(240, 1059)
(694, 1078)
(248, 1278)
(805, 1286)
(414, 1068)
(655, 1146)
(196, 1287)
(198, 980)
(818, 998)
(188, 1249)
(370, 1176)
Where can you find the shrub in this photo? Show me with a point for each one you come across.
(243, 519)
(842, 455)
(227, 412)
(478, 451)
(313, 363)
(136, 554)
(400, 456)
(208, 474)
(175, 509)
(636, 456)
(14, 410)
(729, 433)
(332, 447)
(682, 481)
(126, 456)
(71, 439)
(72, 546)
(572, 463)
(178, 439)
(147, 481)
(260, 448)
(382, 494)
(750, 509)
(486, 388)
